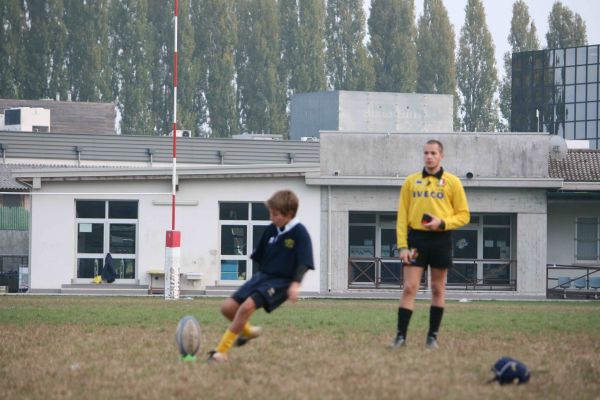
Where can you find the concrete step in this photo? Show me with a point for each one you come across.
(108, 289)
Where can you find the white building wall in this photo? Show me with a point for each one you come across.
(54, 236)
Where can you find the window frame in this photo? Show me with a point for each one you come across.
(576, 241)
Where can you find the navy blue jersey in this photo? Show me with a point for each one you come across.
(280, 254)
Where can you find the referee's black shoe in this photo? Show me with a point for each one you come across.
(399, 341)
(431, 343)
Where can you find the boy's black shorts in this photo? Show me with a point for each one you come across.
(267, 291)
(434, 248)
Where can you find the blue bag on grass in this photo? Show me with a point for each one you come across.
(507, 370)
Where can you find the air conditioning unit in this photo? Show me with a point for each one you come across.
(27, 119)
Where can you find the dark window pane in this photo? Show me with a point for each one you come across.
(12, 117)
(122, 238)
(387, 218)
(362, 218)
(496, 274)
(464, 244)
(496, 243)
(123, 209)
(388, 243)
(587, 239)
(391, 272)
(592, 92)
(124, 268)
(260, 212)
(361, 241)
(570, 57)
(362, 271)
(474, 219)
(233, 240)
(581, 55)
(89, 267)
(569, 75)
(496, 219)
(90, 209)
(233, 270)
(90, 238)
(233, 211)
(462, 273)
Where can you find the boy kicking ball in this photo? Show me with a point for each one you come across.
(284, 254)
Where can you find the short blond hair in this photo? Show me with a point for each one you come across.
(284, 201)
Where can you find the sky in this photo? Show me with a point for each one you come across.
(499, 13)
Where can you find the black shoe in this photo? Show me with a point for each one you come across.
(240, 341)
(431, 343)
(399, 341)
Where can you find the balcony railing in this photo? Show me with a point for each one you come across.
(386, 273)
(14, 219)
(572, 281)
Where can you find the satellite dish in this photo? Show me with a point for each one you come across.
(557, 147)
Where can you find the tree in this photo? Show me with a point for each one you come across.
(522, 37)
(260, 90)
(87, 50)
(565, 29)
(309, 73)
(348, 65)
(130, 48)
(435, 53)
(12, 58)
(476, 72)
(393, 45)
(216, 41)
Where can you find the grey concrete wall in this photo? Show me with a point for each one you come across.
(353, 111)
(486, 155)
(561, 228)
(14, 243)
(529, 206)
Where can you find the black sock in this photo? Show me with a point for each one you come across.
(435, 319)
(404, 315)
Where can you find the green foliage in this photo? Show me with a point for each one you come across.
(393, 45)
(308, 74)
(476, 72)
(435, 52)
(216, 40)
(522, 37)
(348, 65)
(261, 92)
(565, 28)
(12, 57)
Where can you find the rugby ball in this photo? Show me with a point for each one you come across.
(187, 336)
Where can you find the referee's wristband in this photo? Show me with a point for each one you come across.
(442, 225)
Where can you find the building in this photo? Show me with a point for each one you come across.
(93, 194)
(556, 91)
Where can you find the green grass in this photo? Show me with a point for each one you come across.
(113, 347)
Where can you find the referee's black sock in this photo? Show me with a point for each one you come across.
(404, 315)
(435, 319)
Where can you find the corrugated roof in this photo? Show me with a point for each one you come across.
(7, 182)
(577, 166)
(53, 146)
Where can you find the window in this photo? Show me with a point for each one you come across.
(241, 227)
(586, 238)
(106, 227)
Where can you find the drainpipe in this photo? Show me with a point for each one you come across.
(329, 247)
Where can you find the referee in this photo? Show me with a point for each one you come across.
(432, 204)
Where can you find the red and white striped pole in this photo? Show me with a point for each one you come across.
(173, 241)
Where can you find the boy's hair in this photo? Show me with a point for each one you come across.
(284, 201)
(440, 145)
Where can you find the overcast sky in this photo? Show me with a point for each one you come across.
(499, 13)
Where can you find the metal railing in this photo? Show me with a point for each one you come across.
(381, 272)
(565, 280)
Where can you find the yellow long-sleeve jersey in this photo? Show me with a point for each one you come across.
(442, 196)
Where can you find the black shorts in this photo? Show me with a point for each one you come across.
(267, 291)
(434, 248)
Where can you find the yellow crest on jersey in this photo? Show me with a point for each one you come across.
(289, 243)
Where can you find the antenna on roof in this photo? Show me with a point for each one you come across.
(557, 147)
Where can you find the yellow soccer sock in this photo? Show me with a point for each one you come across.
(247, 331)
(226, 341)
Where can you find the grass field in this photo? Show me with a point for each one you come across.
(124, 348)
